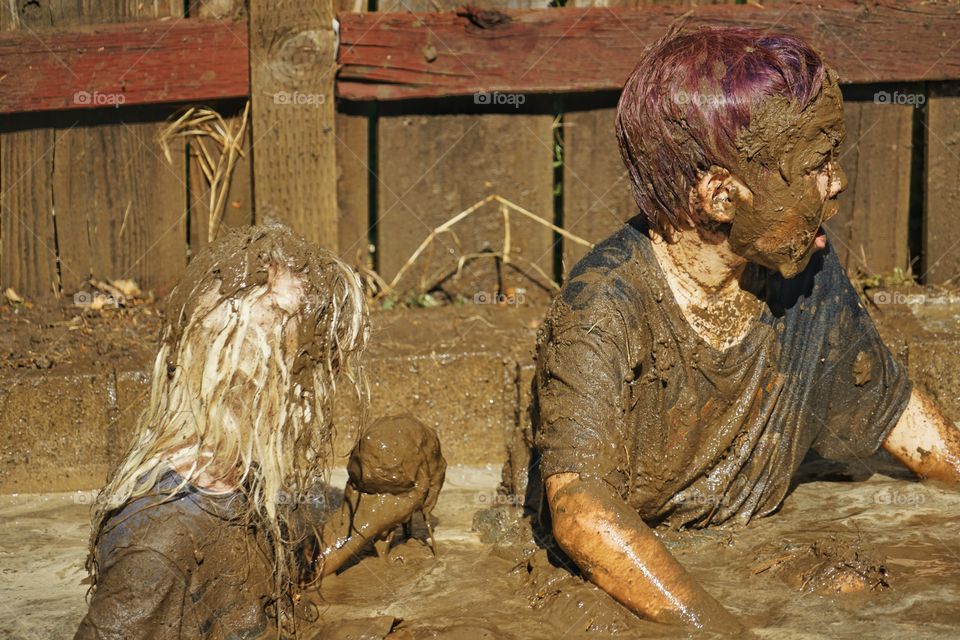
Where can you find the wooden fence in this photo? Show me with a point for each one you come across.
(409, 142)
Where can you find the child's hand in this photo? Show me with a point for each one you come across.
(374, 514)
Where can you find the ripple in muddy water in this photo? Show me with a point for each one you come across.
(474, 589)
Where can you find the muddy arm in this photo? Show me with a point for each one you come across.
(361, 518)
(925, 441)
(622, 556)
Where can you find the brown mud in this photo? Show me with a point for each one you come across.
(475, 589)
(394, 455)
(244, 257)
(783, 149)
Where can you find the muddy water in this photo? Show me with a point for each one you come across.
(475, 590)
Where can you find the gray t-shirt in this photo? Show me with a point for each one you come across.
(181, 567)
(691, 436)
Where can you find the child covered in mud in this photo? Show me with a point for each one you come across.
(203, 531)
(695, 356)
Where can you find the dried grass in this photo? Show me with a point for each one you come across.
(202, 126)
(505, 254)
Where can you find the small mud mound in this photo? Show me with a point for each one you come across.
(826, 566)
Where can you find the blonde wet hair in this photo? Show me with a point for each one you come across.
(257, 335)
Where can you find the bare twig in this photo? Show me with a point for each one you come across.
(504, 254)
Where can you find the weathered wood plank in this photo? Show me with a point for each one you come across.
(292, 65)
(423, 55)
(871, 230)
(353, 193)
(120, 207)
(596, 184)
(123, 64)
(431, 167)
(354, 167)
(28, 250)
(28, 256)
(941, 231)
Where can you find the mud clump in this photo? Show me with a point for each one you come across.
(827, 566)
(398, 454)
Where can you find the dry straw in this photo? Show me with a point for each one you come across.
(202, 126)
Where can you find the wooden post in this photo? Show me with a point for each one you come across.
(940, 230)
(292, 67)
(354, 165)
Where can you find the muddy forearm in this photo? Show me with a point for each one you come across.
(622, 556)
(361, 518)
(925, 441)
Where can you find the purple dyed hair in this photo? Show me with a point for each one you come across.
(685, 102)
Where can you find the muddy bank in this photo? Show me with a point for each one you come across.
(475, 590)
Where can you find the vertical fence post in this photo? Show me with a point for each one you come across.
(292, 67)
(941, 232)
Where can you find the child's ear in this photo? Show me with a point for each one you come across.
(721, 194)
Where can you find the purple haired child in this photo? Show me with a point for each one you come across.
(696, 355)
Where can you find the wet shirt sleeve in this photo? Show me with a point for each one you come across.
(580, 378)
(866, 388)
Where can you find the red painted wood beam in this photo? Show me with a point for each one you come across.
(395, 56)
(132, 63)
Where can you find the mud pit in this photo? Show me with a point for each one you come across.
(476, 590)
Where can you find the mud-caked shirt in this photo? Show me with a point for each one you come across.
(690, 435)
(181, 566)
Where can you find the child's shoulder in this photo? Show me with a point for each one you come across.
(614, 272)
(161, 520)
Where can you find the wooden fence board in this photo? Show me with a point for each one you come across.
(354, 165)
(941, 228)
(433, 167)
(28, 258)
(596, 184)
(292, 64)
(442, 54)
(353, 193)
(130, 63)
(119, 205)
(28, 255)
(871, 230)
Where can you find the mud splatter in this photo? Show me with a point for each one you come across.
(862, 369)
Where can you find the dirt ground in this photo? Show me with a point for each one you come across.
(477, 590)
(53, 336)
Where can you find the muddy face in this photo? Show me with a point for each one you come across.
(789, 164)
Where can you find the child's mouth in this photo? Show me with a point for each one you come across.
(820, 240)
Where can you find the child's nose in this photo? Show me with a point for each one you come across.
(838, 180)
